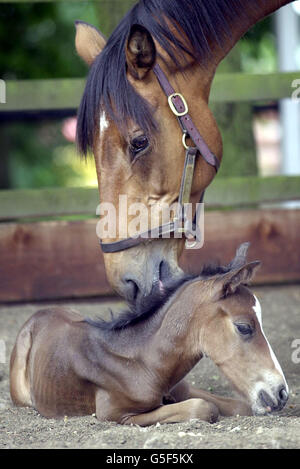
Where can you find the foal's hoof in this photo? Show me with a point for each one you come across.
(212, 413)
(204, 410)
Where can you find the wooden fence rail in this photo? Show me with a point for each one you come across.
(29, 95)
(52, 260)
(42, 260)
(231, 193)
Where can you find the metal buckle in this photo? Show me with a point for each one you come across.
(173, 108)
(184, 137)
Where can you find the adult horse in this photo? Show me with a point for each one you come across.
(160, 49)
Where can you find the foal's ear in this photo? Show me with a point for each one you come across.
(140, 52)
(89, 42)
(228, 283)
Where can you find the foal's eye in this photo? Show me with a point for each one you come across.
(138, 144)
(244, 329)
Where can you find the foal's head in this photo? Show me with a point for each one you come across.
(126, 121)
(234, 339)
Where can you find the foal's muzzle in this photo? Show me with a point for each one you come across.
(275, 402)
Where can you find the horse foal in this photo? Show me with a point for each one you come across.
(131, 370)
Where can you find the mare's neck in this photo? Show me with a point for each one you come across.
(200, 76)
(251, 13)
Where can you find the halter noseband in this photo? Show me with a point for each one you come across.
(179, 107)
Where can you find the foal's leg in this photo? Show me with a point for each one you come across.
(19, 364)
(175, 413)
(227, 407)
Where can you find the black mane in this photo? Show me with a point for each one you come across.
(203, 22)
(146, 308)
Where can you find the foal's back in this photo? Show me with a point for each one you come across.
(43, 368)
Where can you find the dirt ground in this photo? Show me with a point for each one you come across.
(25, 428)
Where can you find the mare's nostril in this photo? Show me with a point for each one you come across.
(164, 271)
(132, 290)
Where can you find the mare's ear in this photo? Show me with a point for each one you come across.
(140, 52)
(89, 42)
(228, 283)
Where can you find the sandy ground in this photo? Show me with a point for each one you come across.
(25, 428)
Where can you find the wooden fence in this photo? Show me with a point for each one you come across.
(56, 94)
(49, 248)
(48, 243)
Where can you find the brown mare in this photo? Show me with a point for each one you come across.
(127, 370)
(125, 119)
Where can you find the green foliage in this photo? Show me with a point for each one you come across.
(258, 48)
(38, 42)
(235, 123)
(31, 160)
(33, 43)
(256, 52)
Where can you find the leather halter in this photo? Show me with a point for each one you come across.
(179, 107)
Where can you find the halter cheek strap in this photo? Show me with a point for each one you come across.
(179, 107)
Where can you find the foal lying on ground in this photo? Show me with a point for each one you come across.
(127, 370)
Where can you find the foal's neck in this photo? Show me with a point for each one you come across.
(175, 347)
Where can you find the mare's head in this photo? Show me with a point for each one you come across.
(233, 337)
(125, 120)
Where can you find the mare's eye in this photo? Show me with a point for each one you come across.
(138, 145)
(244, 329)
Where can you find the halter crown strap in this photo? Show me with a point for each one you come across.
(179, 107)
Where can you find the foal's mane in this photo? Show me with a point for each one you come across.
(146, 308)
(203, 23)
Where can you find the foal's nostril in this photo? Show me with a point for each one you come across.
(282, 395)
(131, 290)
